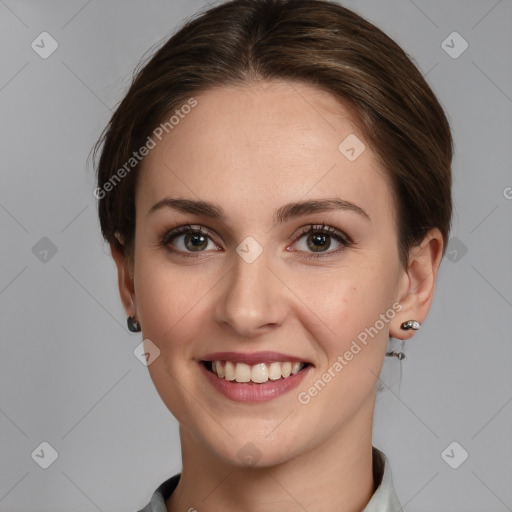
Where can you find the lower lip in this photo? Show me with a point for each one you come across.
(250, 391)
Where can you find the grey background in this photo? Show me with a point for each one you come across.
(68, 375)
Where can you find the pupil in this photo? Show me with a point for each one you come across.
(318, 241)
(198, 241)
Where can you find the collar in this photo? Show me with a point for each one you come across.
(384, 498)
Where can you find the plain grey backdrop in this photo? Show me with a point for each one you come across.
(68, 376)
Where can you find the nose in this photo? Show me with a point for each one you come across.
(252, 299)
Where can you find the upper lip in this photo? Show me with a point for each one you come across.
(252, 358)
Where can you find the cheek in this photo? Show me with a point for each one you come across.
(167, 298)
(348, 301)
(172, 314)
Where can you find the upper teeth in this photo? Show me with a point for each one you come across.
(259, 373)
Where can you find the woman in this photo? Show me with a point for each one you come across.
(275, 188)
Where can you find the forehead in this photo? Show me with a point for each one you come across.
(265, 144)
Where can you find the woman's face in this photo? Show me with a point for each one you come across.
(253, 282)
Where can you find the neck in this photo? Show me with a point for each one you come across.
(334, 475)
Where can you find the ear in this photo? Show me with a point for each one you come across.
(125, 280)
(416, 289)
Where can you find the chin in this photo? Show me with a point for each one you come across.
(254, 447)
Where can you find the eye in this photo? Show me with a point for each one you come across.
(313, 239)
(319, 239)
(188, 239)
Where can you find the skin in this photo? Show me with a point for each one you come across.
(251, 149)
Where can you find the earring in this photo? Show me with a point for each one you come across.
(410, 324)
(400, 355)
(133, 325)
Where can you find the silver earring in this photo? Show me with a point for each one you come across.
(400, 355)
(410, 324)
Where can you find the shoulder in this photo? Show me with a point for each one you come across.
(162, 492)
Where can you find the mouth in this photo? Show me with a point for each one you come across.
(259, 373)
(253, 377)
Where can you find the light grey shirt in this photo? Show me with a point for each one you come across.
(384, 498)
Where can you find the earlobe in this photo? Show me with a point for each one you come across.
(418, 283)
(124, 279)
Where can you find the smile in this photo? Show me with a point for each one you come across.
(258, 373)
(253, 377)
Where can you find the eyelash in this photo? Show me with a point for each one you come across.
(340, 237)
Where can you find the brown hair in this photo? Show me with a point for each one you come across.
(314, 41)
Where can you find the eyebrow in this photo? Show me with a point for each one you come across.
(283, 214)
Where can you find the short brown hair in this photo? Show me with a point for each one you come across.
(314, 41)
